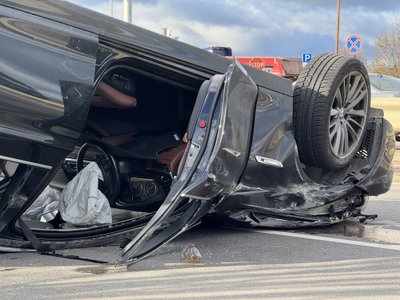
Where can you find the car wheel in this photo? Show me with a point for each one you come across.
(330, 109)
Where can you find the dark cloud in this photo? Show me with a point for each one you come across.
(252, 12)
(222, 13)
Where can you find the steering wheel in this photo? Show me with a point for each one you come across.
(111, 184)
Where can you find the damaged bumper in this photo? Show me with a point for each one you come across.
(306, 202)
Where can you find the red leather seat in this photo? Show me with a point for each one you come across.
(109, 97)
(172, 158)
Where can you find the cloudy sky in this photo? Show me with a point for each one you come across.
(285, 28)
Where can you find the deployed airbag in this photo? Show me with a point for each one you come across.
(82, 203)
(47, 202)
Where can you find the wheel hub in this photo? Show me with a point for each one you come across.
(341, 113)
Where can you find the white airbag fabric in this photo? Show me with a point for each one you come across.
(47, 202)
(82, 203)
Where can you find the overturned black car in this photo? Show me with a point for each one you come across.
(176, 133)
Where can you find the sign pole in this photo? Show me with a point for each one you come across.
(337, 25)
(128, 11)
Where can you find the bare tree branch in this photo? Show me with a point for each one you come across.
(386, 58)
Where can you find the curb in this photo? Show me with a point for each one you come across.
(388, 232)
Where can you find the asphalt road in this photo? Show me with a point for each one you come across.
(236, 264)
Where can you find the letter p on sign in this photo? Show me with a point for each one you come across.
(306, 57)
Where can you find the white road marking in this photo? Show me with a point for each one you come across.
(321, 238)
(15, 250)
(376, 199)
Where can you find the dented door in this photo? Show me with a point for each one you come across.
(217, 153)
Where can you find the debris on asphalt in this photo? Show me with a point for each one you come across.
(191, 254)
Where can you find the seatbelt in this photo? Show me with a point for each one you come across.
(44, 250)
(32, 238)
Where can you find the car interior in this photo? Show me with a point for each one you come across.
(136, 133)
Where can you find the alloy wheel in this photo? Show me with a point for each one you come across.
(348, 114)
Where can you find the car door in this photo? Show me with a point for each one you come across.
(217, 152)
(46, 81)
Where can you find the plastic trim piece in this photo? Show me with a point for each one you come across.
(269, 162)
(26, 162)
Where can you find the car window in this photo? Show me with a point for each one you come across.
(385, 83)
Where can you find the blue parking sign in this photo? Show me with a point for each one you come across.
(307, 57)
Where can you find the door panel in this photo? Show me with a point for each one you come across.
(227, 162)
(46, 81)
(216, 158)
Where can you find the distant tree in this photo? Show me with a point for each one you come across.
(386, 59)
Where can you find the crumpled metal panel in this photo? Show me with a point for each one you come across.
(295, 195)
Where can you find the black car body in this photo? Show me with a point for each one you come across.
(240, 161)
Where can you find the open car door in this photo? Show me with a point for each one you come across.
(46, 83)
(219, 139)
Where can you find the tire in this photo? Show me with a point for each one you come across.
(328, 131)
